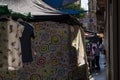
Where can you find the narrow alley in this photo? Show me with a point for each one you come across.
(102, 74)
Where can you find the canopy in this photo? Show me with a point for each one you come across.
(58, 3)
(35, 7)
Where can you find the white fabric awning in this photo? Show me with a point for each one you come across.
(35, 7)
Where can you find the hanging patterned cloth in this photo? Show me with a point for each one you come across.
(15, 31)
(10, 48)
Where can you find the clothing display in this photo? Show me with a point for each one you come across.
(15, 31)
(53, 59)
(10, 47)
(78, 44)
(28, 33)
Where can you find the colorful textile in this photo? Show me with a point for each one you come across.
(51, 48)
(52, 59)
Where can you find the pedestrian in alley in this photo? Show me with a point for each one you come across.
(103, 51)
(97, 58)
(91, 58)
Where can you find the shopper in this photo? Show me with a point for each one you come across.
(97, 58)
(103, 51)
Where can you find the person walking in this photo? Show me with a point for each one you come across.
(91, 59)
(103, 51)
(97, 58)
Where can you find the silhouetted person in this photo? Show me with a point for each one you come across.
(97, 58)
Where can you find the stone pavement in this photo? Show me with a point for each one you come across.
(102, 74)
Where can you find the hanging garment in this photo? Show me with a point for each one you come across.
(3, 45)
(28, 33)
(15, 31)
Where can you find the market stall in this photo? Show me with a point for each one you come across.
(50, 43)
